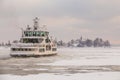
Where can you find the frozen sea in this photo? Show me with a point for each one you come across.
(68, 64)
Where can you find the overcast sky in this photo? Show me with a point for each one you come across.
(65, 19)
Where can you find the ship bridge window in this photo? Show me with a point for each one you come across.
(35, 33)
(42, 34)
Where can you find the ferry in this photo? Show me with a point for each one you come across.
(34, 42)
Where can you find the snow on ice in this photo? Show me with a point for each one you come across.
(89, 62)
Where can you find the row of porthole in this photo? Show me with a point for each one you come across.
(21, 49)
(26, 49)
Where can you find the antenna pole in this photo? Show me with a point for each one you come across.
(36, 24)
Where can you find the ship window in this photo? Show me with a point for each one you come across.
(37, 34)
(40, 40)
(48, 47)
(34, 34)
(33, 40)
(15, 49)
(18, 49)
(29, 49)
(22, 49)
(47, 40)
(26, 33)
(25, 41)
(54, 49)
(12, 49)
(43, 45)
(25, 49)
(30, 33)
(42, 34)
(42, 50)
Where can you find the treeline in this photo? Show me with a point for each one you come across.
(5, 44)
(98, 42)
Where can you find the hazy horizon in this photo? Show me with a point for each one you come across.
(65, 19)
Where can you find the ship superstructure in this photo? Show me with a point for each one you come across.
(35, 41)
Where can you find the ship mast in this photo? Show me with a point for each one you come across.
(36, 24)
